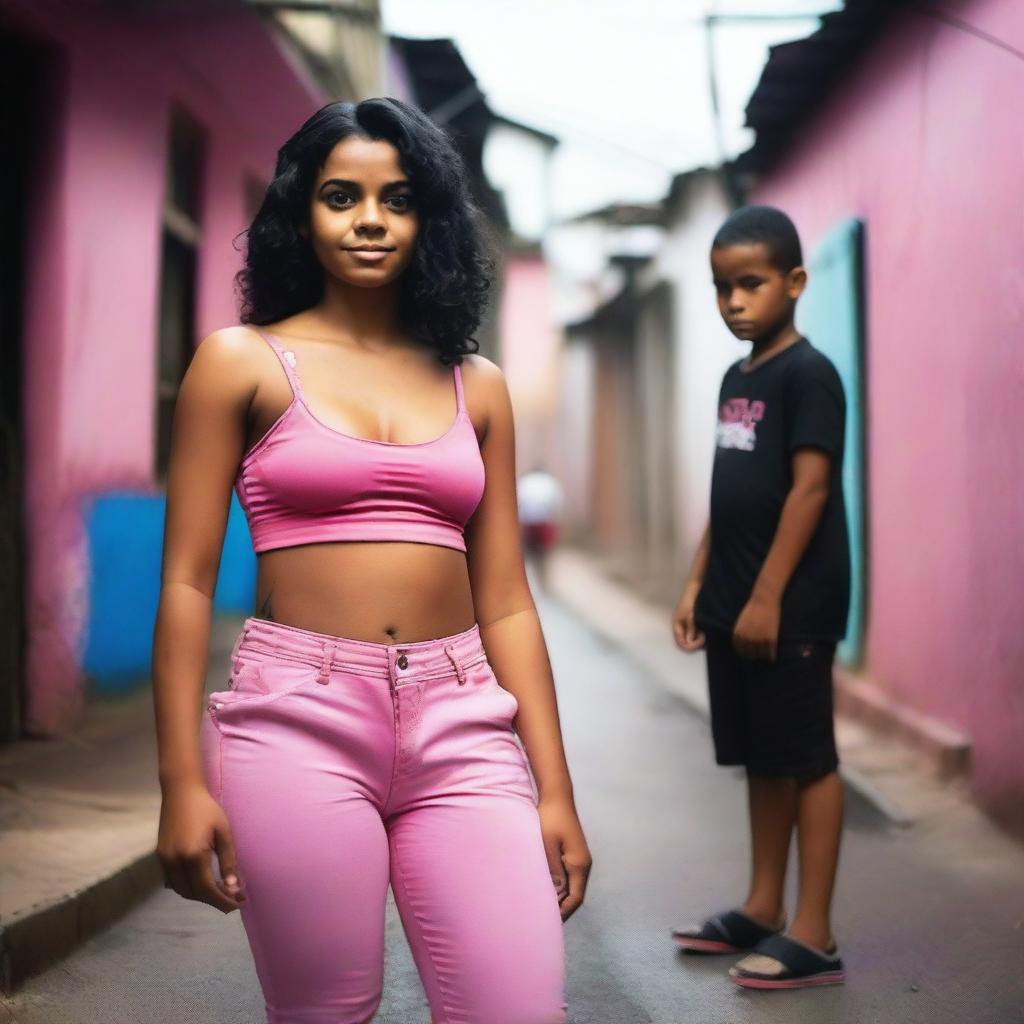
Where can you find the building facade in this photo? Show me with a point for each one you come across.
(147, 136)
(922, 159)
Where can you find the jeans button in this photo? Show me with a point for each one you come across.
(403, 661)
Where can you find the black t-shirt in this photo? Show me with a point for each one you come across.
(793, 400)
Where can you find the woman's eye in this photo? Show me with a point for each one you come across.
(400, 203)
(337, 199)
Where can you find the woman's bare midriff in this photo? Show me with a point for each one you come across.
(393, 592)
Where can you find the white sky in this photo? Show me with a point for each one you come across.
(624, 85)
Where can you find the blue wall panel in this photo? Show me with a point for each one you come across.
(831, 314)
(125, 532)
(236, 580)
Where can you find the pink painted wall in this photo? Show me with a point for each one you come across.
(93, 267)
(918, 143)
(529, 356)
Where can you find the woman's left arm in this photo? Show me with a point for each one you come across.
(511, 631)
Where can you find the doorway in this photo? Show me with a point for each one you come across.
(24, 77)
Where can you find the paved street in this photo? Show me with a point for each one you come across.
(930, 934)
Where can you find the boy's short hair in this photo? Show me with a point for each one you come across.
(750, 225)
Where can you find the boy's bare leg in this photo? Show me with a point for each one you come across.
(773, 813)
(819, 826)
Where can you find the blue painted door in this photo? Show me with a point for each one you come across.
(831, 314)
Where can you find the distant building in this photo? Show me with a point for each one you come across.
(519, 160)
(517, 331)
(432, 74)
(615, 429)
(700, 349)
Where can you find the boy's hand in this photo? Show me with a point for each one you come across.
(756, 634)
(687, 636)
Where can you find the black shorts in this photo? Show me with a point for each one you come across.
(775, 718)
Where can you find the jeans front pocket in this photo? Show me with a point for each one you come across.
(505, 704)
(255, 682)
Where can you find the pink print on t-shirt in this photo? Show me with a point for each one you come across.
(737, 421)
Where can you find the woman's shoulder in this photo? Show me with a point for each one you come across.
(479, 368)
(225, 342)
(482, 379)
(237, 351)
(239, 344)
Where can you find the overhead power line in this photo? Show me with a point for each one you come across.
(711, 20)
(929, 11)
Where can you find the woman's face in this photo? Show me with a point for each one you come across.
(363, 221)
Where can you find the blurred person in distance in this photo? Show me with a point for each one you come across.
(540, 501)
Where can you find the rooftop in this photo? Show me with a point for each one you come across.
(799, 76)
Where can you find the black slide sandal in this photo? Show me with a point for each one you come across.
(729, 932)
(803, 967)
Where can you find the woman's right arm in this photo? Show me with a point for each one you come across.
(207, 443)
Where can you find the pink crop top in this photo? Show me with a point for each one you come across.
(306, 483)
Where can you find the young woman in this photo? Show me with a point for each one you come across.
(363, 737)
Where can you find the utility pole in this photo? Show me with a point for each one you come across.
(711, 20)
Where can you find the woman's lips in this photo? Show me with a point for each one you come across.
(370, 255)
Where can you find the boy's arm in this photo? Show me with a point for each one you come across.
(684, 628)
(757, 629)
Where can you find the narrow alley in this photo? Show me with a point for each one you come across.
(666, 829)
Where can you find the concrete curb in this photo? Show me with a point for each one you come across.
(42, 935)
(947, 750)
(79, 827)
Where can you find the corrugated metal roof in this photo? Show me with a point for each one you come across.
(799, 76)
(625, 215)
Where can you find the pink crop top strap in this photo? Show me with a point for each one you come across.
(287, 358)
(460, 402)
(305, 482)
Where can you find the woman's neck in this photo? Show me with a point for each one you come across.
(369, 315)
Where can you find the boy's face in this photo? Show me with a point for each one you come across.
(756, 298)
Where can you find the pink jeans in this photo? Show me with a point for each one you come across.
(344, 765)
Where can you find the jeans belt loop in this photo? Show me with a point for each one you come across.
(459, 670)
(324, 675)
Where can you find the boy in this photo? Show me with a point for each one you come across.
(768, 596)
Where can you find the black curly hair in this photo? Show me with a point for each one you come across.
(443, 291)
